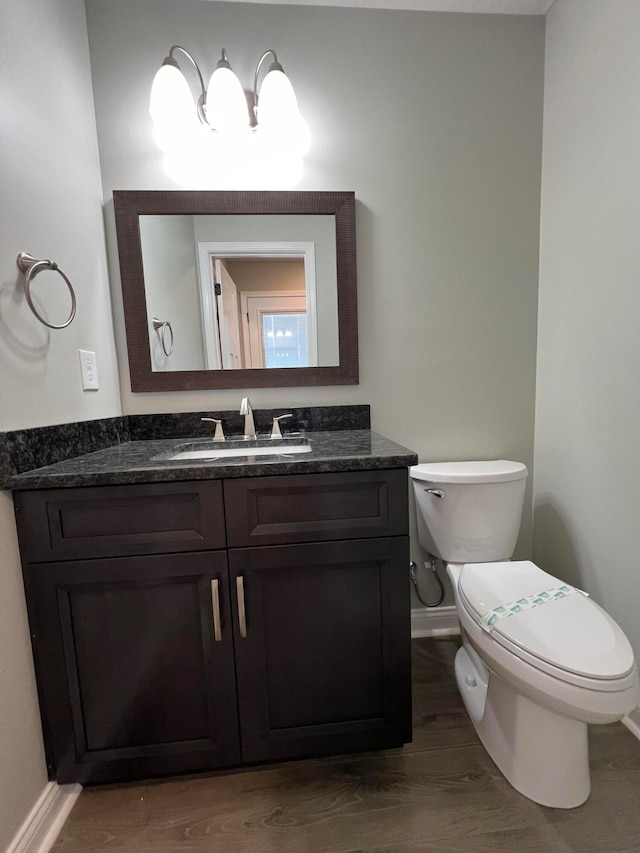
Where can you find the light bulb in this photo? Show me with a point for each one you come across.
(280, 125)
(171, 99)
(277, 103)
(226, 105)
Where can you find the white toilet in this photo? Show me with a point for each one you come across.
(539, 659)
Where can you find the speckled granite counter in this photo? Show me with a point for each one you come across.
(137, 462)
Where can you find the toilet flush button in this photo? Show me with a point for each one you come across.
(470, 681)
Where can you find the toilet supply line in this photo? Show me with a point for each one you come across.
(412, 573)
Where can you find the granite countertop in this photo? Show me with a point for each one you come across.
(143, 462)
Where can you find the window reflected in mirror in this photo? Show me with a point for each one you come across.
(284, 341)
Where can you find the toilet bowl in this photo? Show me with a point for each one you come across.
(539, 659)
(533, 682)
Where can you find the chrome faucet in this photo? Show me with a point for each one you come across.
(247, 411)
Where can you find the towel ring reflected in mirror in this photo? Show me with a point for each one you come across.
(161, 327)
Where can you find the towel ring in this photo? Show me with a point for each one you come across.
(161, 327)
(31, 267)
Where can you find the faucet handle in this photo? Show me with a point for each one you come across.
(219, 433)
(275, 429)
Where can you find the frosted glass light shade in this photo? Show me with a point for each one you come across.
(226, 105)
(171, 99)
(277, 103)
(281, 128)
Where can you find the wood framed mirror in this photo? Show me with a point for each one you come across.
(290, 256)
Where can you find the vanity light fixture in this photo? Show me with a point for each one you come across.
(222, 106)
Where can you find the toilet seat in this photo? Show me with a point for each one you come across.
(571, 638)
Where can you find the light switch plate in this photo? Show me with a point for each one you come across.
(88, 370)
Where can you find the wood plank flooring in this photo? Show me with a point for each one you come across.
(440, 794)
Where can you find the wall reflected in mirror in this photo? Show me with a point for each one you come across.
(240, 292)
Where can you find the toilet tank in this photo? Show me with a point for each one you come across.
(469, 512)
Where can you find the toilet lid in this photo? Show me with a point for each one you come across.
(571, 633)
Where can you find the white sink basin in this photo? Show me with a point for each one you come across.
(228, 452)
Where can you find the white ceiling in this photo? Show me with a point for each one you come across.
(492, 7)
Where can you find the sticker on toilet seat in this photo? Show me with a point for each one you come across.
(512, 608)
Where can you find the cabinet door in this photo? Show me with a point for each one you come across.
(133, 681)
(324, 663)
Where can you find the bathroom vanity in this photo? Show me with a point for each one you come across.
(196, 616)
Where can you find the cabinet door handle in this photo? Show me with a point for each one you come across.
(242, 614)
(215, 603)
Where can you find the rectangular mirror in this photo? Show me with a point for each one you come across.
(238, 289)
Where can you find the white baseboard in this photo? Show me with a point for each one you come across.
(632, 721)
(438, 622)
(45, 820)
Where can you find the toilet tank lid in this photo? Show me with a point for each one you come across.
(490, 471)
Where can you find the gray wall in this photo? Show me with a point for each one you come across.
(434, 120)
(587, 453)
(51, 206)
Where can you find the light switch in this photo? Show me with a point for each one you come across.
(88, 370)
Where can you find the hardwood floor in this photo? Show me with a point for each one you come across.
(441, 794)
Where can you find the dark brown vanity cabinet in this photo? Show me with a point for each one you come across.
(181, 627)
